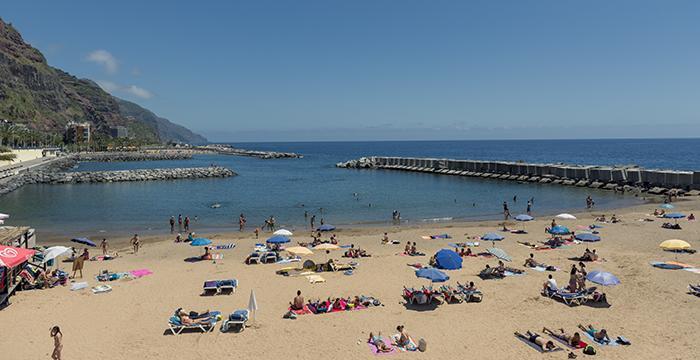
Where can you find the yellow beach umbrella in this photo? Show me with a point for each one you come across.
(299, 250)
(326, 246)
(674, 244)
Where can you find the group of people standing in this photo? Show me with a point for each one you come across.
(528, 209)
(182, 223)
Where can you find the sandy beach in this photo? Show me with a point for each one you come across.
(650, 307)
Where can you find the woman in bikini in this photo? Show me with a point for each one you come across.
(377, 341)
(573, 340)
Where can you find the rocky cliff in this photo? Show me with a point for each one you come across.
(45, 98)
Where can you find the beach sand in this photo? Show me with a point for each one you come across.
(650, 307)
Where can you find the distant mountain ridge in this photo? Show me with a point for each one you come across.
(46, 99)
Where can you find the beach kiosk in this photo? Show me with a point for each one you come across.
(12, 260)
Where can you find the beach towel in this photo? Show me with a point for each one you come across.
(302, 311)
(78, 286)
(101, 289)
(666, 266)
(376, 351)
(225, 246)
(536, 347)
(601, 343)
(411, 346)
(287, 261)
(580, 344)
(315, 279)
(510, 273)
(140, 273)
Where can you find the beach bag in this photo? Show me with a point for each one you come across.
(589, 350)
(422, 345)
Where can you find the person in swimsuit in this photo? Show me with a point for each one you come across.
(535, 338)
(377, 341)
(298, 302)
(573, 340)
(404, 339)
(599, 336)
(57, 342)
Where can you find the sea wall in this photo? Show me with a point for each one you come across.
(618, 178)
(229, 150)
(42, 177)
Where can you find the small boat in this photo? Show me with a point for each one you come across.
(215, 206)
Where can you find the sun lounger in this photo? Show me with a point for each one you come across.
(270, 257)
(694, 289)
(228, 286)
(420, 297)
(210, 287)
(238, 319)
(255, 258)
(567, 298)
(176, 327)
(490, 273)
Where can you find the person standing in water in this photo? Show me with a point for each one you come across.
(313, 221)
(529, 207)
(187, 223)
(179, 222)
(172, 224)
(241, 222)
(57, 342)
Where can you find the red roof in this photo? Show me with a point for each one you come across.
(13, 256)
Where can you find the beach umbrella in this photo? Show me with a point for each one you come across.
(588, 237)
(283, 232)
(448, 259)
(13, 256)
(432, 274)
(4, 216)
(524, 217)
(54, 252)
(299, 250)
(326, 246)
(200, 242)
(492, 237)
(499, 253)
(674, 216)
(252, 304)
(326, 227)
(84, 241)
(278, 239)
(602, 278)
(667, 206)
(565, 216)
(674, 245)
(559, 230)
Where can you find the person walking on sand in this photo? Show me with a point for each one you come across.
(135, 243)
(257, 233)
(506, 211)
(104, 246)
(529, 207)
(57, 342)
(172, 224)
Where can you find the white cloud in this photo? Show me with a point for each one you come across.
(105, 59)
(133, 90)
(139, 92)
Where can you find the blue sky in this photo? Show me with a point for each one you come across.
(371, 70)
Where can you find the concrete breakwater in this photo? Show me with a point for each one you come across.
(42, 177)
(619, 178)
(229, 150)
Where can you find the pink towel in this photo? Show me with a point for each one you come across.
(140, 273)
(387, 341)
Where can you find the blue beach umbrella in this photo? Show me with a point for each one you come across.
(559, 230)
(666, 206)
(524, 217)
(448, 260)
(588, 237)
(326, 227)
(602, 278)
(84, 241)
(492, 237)
(432, 274)
(200, 242)
(278, 239)
(674, 216)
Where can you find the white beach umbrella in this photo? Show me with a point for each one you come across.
(566, 217)
(2, 222)
(4, 216)
(252, 304)
(283, 232)
(54, 252)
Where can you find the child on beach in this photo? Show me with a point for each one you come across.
(57, 342)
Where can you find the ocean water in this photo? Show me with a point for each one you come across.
(287, 188)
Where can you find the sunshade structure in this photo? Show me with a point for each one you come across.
(277, 239)
(283, 232)
(674, 216)
(13, 256)
(54, 252)
(667, 206)
(432, 274)
(559, 230)
(674, 245)
(499, 253)
(299, 251)
(326, 246)
(326, 227)
(565, 216)
(84, 241)
(448, 260)
(200, 242)
(602, 278)
(524, 217)
(587, 237)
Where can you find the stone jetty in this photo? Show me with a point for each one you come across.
(42, 177)
(618, 178)
(229, 150)
(114, 156)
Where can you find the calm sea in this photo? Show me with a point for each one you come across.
(287, 188)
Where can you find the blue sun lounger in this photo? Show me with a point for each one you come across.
(238, 319)
(176, 326)
(567, 298)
